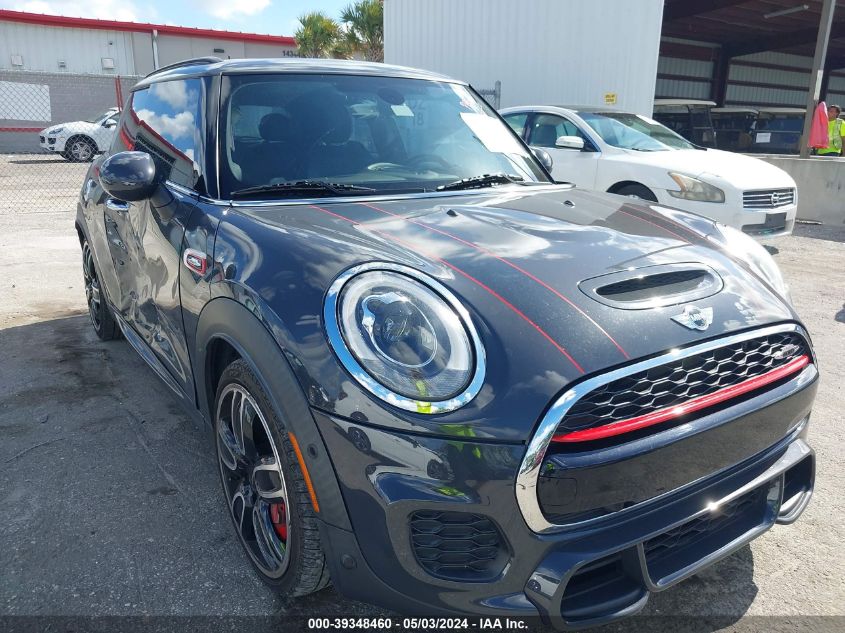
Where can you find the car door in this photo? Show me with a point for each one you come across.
(145, 238)
(570, 165)
(104, 132)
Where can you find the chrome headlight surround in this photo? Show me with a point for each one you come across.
(332, 319)
(745, 248)
(695, 189)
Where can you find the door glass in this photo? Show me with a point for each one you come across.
(548, 127)
(165, 120)
(517, 122)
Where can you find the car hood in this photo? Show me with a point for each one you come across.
(742, 172)
(70, 127)
(516, 257)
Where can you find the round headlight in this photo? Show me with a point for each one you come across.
(404, 337)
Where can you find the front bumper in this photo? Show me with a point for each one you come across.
(51, 143)
(584, 574)
(759, 223)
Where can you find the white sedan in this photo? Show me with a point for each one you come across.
(633, 155)
(80, 141)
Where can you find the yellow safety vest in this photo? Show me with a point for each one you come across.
(834, 136)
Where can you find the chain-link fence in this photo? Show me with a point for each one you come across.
(51, 126)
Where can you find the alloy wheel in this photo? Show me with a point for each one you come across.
(253, 480)
(81, 150)
(92, 287)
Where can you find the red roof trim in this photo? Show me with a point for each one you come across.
(140, 27)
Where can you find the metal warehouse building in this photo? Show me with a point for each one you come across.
(55, 69)
(748, 52)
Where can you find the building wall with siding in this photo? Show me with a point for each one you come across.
(82, 50)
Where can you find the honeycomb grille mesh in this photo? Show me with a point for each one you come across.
(676, 382)
(457, 545)
(693, 531)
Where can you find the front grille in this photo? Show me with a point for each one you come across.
(676, 382)
(457, 545)
(768, 198)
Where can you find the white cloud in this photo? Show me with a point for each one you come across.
(123, 10)
(174, 93)
(170, 127)
(224, 9)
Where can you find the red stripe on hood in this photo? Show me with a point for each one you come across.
(492, 292)
(507, 262)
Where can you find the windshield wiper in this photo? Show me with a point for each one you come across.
(477, 182)
(314, 187)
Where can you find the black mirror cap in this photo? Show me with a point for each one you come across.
(128, 176)
(543, 157)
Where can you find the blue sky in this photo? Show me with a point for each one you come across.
(277, 17)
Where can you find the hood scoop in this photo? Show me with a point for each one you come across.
(653, 286)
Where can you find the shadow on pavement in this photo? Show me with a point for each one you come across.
(111, 502)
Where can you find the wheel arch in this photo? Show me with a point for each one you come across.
(226, 331)
(626, 183)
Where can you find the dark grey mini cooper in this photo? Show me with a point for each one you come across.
(434, 376)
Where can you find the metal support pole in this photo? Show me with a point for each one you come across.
(155, 49)
(818, 72)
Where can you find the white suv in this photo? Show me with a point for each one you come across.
(80, 141)
(633, 155)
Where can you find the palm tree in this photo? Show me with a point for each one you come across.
(317, 35)
(364, 22)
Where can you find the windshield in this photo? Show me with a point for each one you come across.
(387, 134)
(99, 117)
(632, 131)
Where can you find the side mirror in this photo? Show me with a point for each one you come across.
(129, 176)
(109, 123)
(570, 142)
(544, 157)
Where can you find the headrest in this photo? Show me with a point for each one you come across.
(322, 115)
(275, 127)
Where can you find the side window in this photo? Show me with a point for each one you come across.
(166, 121)
(517, 122)
(548, 127)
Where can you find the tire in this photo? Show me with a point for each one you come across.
(264, 487)
(80, 149)
(637, 191)
(102, 320)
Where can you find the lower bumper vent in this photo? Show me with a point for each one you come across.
(457, 545)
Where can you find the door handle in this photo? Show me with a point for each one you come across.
(117, 205)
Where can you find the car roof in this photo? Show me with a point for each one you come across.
(570, 108)
(211, 66)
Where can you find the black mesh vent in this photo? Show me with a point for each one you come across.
(457, 545)
(677, 382)
(687, 535)
(650, 286)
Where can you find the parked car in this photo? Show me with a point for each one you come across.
(778, 131)
(632, 155)
(734, 127)
(602, 396)
(691, 118)
(81, 141)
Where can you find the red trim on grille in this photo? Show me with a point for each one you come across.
(696, 404)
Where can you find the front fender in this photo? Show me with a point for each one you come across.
(231, 321)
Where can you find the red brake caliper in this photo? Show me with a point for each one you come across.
(278, 515)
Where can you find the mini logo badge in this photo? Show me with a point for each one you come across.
(695, 318)
(775, 198)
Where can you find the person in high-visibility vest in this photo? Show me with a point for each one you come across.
(835, 132)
